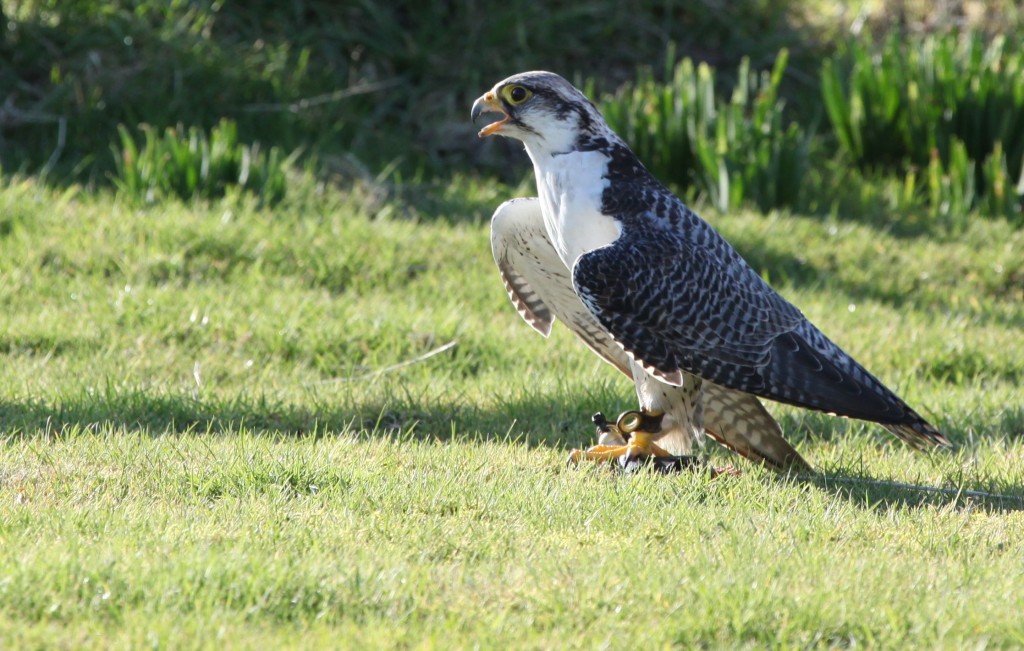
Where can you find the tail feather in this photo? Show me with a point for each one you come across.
(918, 432)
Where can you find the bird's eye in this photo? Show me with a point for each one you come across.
(517, 94)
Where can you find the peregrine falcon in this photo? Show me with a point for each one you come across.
(657, 292)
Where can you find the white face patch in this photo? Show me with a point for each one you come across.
(570, 182)
(548, 114)
(553, 136)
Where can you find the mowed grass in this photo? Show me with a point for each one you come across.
(322, 425)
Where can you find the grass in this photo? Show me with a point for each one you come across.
(193, 99)
(949, 104)
(297, 412)
(193, 165)
(731, 151)
(222, 426)
(381, 541)
(368, 78)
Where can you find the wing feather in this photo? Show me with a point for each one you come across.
(537, 281)
(690, 303)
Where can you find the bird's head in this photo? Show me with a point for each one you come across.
(542, 109)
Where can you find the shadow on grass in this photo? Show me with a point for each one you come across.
(558, 417)
(856, 485)
(881, 494)
(159, 415)
(559, 420)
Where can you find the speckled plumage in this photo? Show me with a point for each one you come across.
(540, 287)
(676, 299)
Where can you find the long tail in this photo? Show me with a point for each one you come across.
(918, 432)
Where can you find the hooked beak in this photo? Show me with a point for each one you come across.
(489, 104)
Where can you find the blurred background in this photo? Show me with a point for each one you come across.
(862, 108)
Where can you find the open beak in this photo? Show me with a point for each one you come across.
(489, 104)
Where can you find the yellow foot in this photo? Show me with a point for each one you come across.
(630, 443)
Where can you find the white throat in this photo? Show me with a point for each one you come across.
(570, 186)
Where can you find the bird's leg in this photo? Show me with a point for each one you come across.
(610, 442)
(609, 436)
(630, 442)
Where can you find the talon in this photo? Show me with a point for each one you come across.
(663, 464)
(630, 441)
(731, 471)
(574, 457)
(595, 453)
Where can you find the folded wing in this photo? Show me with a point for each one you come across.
(540, 287)
(678, 306)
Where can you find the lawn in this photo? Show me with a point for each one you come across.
(321, 425)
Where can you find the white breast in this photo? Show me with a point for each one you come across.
(570, 186)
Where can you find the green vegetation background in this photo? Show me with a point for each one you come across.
(290, 406)
(378, 79)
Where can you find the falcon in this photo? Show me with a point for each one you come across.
(659, 294)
